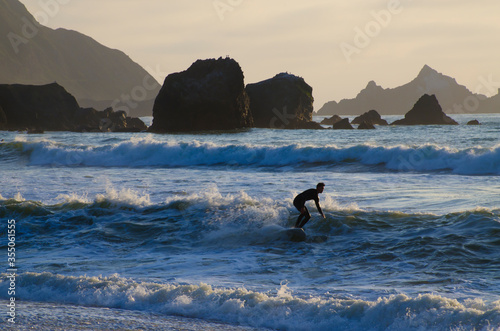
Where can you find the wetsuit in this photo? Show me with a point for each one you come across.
(299, 203)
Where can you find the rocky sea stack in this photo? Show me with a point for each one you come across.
(366, 126)
(44, 107)
(331, 120)
(426, 111)
(210, 95)
(473, 122)
(284, 101)
(343, 124)
(370, 117)
(38, 108)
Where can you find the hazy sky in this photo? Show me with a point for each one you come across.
(337, 46)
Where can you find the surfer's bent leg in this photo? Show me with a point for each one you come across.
(306, 218)
(300, 207)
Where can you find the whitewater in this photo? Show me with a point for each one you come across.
(184, 231)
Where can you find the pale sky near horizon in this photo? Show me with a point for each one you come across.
(336, 46)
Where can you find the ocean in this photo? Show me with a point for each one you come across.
(141, 231)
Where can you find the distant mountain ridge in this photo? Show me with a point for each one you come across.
(96, 75)
(453, 97)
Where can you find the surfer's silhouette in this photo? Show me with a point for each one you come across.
(300, 201)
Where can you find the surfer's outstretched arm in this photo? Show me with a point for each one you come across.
(319, 209)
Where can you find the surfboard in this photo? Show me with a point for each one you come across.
(295, 234)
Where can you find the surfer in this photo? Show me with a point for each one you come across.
(300, 203)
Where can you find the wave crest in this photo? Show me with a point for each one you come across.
(147, 152)
(277, 309)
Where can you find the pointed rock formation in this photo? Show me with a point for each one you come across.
(366, 126)
(426, 111)
(342, 125)
(453, 97)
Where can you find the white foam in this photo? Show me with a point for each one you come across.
(73, 198)
(125, 196)
(19, 197)
(329, 203)
(279, 309)
(147, 152)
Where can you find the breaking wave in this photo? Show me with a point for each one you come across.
(147, 152)
(277, 309)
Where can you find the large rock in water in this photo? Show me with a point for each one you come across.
(45, 107)
(209, 95)
(284, 101)
(108, 120)
(342, 125)
(370, 117)
(366, 126)
(426, 111)
(331, 120)
(473, 122)
(51, 108)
